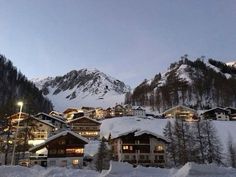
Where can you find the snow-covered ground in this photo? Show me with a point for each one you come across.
(118, 169)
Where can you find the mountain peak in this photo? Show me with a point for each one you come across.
(85, 87)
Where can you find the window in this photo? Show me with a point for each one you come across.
(62, 142)
(61, 151)
(161, 157)
(52, 151)
(126, 157)
(75, 162)
(125, 147)
(142, 157)
(159, 148)
(75, 151)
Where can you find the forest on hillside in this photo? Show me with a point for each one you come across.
(14, 87)
(207, 88)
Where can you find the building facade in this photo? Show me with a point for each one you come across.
(140, 148)
(65, 149)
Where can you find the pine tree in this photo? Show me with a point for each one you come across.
(213, 145)
(171, 147)
(103, 156)
(231, 152)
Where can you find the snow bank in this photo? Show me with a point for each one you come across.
(118, 169)
(18, 171)
(210, 170)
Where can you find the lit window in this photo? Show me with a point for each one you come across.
(75, 151)
(75, 162)
(159, 148)
(131, 148)
(125, 147)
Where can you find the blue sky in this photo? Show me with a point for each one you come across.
(127, 39)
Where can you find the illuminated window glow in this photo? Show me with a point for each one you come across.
(75, 151)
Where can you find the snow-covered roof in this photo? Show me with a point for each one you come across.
(139, 132)
(42, 121)
(137, 108)
(84, 117)
(212, 109)
(63, 133)
(52, 117)
(185, 107)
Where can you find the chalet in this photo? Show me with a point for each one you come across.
(139, 111)
(99, 113)
(181, 112)
(216, 114)
(70, 112)
(15, 117)
(85, 127)
(119, 110)
(140, 148)
(232, 113)
(65, 149)
(55, 113)
(109, 112)
(38, 130)
(54, 120)
(128, 110)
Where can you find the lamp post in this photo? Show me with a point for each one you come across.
(20, 103)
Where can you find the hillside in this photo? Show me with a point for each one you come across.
(197, 84)
(14, 86)
(82, 88)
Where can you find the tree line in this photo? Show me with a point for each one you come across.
(197, 142)
(14, 86)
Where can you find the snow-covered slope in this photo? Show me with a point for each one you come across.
(82, 88)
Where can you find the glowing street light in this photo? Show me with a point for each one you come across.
(20, 103)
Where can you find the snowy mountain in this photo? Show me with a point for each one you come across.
(232, 64)
(198, 84)
(82, 88)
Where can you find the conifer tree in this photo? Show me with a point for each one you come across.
(103, 156)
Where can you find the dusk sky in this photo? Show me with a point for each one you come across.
(128, 39)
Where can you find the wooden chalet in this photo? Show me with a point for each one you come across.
(37, 129)
(181, 112)
(85, 127)
(109, 113)
(119, 110)
(128, 110)
(138, 111)
(140, 148)
(15, 117)
(216, 114)
(65, 149)
(54, 120)
(232, 113)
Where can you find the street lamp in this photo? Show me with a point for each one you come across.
(20, 103)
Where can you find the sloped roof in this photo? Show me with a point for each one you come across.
(84, 117)
(212, 109)
(42, 121)
(139, 132)
(52, 117)
(185, 107)
(63, 133)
